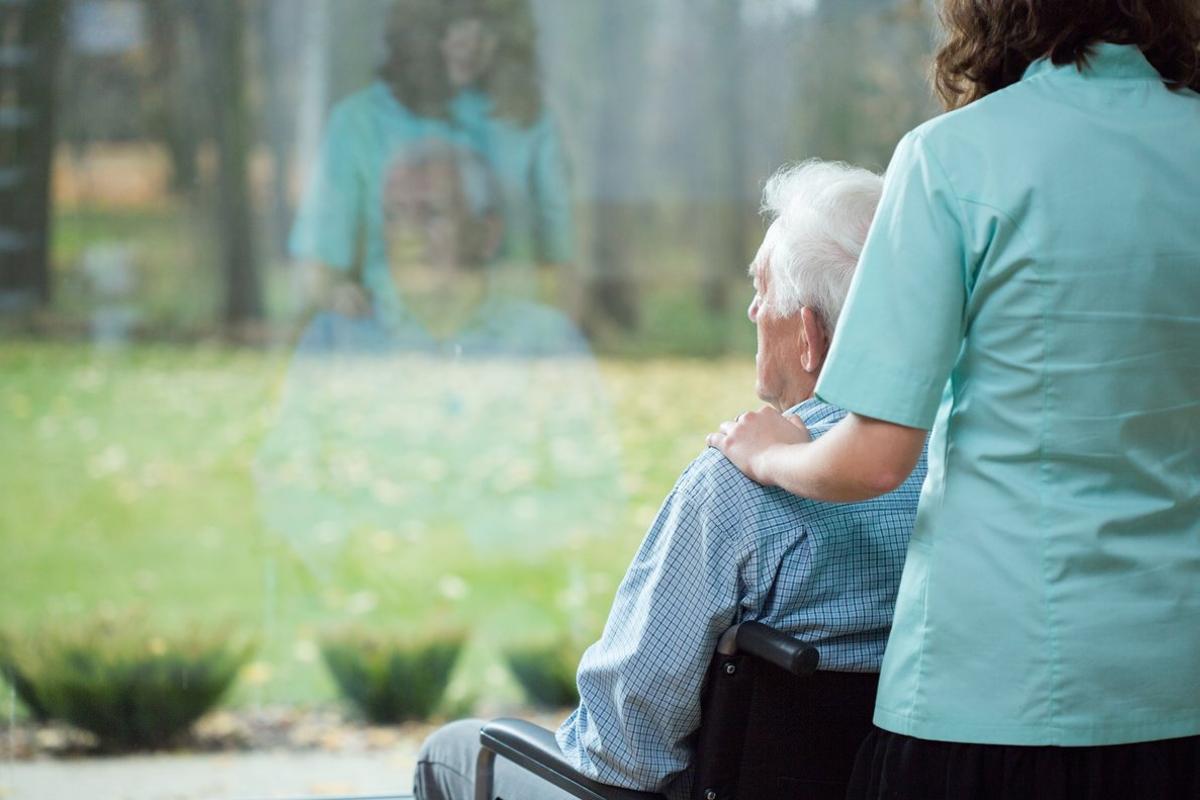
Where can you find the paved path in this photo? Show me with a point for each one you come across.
(215, 776)
(283, 754)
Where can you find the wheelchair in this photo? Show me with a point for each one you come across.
(772, 727)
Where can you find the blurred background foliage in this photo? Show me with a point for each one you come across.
(184, 131)
(389, 677)
(130, 685)
(152, 157)
(545, 670)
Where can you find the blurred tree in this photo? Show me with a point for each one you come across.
(827, 10)
(171, 108)
(725, 251)
(611, 291)
(865, 82)
(31, 36)
(223, 25)
(279, 29)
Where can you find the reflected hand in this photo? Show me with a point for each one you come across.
(349, 299)
(747, 440)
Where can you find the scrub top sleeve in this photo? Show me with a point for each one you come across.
(902, 326)
(330, 214)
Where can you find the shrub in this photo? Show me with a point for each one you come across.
(131, 688)
(11, 672)
(546, 671)
(389, 677)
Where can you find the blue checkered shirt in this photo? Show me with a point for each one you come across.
(725, 550)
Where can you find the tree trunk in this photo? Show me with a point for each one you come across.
(280, 28)
(725, 254)
(173, 117)
(32, 37)
(223, 23)
(611, 292)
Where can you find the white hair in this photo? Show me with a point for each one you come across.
(481, 191)
(820, 213)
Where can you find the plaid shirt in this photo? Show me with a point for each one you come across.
(724, 550)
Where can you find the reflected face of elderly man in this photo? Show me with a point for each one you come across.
(791, 347)
(426, 213)
(431, 225)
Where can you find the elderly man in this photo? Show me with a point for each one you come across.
(725, 550)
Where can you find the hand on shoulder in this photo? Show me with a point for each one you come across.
(748, 439)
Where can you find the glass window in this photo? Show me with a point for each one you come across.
(348, 345)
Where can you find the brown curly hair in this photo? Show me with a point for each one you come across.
(512, 80)
(413, 68)
(989, 43)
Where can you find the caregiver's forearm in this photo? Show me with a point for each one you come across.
(858, 459)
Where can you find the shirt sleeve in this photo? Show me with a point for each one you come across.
(639, 686)
(331, 211)
(903, 324)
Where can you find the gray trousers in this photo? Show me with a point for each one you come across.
(446, 769)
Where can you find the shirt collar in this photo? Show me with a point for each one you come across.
(1105, 61)
(813, 411)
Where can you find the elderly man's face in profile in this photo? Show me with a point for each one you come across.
(780, 377)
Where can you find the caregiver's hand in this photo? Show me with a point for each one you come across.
(749, 440)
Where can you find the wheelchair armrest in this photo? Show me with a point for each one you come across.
(534, 749)
(782, 650)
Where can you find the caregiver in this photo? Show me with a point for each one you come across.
(1030, 290)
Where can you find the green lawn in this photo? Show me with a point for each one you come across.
(128, 487)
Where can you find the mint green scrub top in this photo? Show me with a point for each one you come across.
(340, 221)
(1030, 289)
(531, 170)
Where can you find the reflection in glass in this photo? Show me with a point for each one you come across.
(462, 72)
(397, 314)
(455, 408)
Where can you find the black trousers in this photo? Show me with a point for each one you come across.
(898, 767)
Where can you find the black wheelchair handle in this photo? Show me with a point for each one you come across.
(780, 649)
(534, 749)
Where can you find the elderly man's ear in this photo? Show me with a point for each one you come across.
(816, 342)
